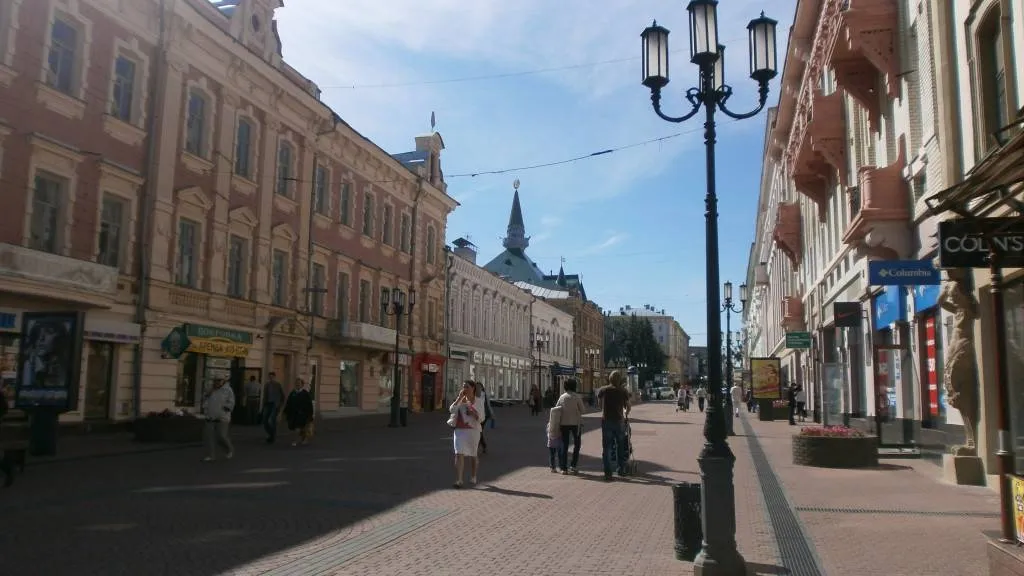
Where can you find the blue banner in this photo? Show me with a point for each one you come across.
(902, 273)
(925, 297)
(889, 306)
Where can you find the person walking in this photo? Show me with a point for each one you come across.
(801, 403)
(273, 400)
(534, 400)
(702, 395)
(737, 398)
(791, 400)
(481, 392)
(467, 411)
(219, 403)
(298, 411)
(252, 401)
(571, 425)
(614, 401)
(681, 399)
(554, 434)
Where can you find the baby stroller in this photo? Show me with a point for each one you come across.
(631, 465)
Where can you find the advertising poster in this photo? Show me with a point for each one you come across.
(765, 377)
(1017, 487)
(50, 360)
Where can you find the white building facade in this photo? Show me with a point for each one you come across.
(552, 342)
(489, 327)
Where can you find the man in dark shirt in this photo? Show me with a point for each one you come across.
(273, 401)
(614, 401)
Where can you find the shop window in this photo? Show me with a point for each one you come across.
(1013, 316)
(349, 396)
(188, 375)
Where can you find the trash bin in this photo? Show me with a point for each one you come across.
(688, 529)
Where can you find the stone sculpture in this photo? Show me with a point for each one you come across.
(960, 377)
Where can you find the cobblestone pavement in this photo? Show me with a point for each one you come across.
(897, 520)
(378, 502)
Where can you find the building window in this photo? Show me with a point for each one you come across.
(195, 127)
(279, 278)
(237, 249)
(112, 213)
(431, 244)
(285, 168)
(318, 289)
(320, 199)
(368, 214)
(188, 253)
(341, 308)
(349, 397)
(49, 195)
(243, 149)
(346, 204)
(403, 234)
(364, 301)
(124, 89)
(388, 235)
(992, 71)
(385, 299)
(63, 57)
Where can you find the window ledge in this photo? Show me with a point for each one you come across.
(404, 258)
(61, 103)
(243, 184)
(347, 232)
(7, 75)
(285, 204)
(367, 241)
(123, 131)
(194, 163)
(322, 221)
(389, 251)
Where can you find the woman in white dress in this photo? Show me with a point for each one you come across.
(467, 412)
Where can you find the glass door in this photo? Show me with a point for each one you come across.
(99, 375)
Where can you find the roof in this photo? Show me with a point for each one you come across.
(542, 292)
(515, 266)
(414, 158)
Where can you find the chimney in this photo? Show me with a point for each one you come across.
(465, 249)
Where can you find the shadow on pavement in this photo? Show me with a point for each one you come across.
(754, 569)
(168, 513)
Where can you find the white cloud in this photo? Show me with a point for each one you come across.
(613, 239)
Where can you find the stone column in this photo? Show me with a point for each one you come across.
(167, 157)
(265, 203)
(223, 155)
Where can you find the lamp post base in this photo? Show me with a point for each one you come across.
(719, 556)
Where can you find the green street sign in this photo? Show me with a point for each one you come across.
(175, 343)
(798, 340)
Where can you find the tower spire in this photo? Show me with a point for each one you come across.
(516, 238)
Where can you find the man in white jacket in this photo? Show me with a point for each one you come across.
(220, 401)
(737, 398)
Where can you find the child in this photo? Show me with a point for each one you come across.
(554, 435)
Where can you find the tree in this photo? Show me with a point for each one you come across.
(631, 338)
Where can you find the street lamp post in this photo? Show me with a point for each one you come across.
(729, 309)
(592, 354)
(539, 339)
(719, 554)
(397, 308)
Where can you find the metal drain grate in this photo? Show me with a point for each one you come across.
(796, 551)
(953, 513)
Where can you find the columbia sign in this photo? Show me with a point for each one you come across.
(902, 273)
(972, 243)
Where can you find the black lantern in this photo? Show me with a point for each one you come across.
(743, 294)
(720, 68)
(654, 43)
(763, 56)
(703, 30)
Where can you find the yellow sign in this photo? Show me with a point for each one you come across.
(218, 347)
(764, 377)
(1017, 487)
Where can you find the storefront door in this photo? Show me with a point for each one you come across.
(98, 380)
(427, 391)
(281, 368)
(887, 360)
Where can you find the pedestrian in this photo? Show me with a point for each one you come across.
(554, 434)
(219, 403)
(298, 411)
(467, 411)
(273, 400)
(571, 426)
(681, 399)
(251, 402)
(702, 395)
(534, 400)
(791, 400)
(614, 401)
(801, 403)
(737, 398)
(481, 392)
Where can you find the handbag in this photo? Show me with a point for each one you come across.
(452, 421)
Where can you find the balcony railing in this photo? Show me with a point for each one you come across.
(360, 334)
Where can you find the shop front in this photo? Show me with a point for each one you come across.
(894, 393)
(1013, 352)
(204, 354)
(427, 390)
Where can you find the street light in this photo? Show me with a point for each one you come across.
(729, 309)
(719, 554)
(592, 354)
(397, 308)
(539, 339)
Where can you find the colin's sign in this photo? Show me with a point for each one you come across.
(971, 243)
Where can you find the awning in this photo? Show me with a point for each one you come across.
(986, 188)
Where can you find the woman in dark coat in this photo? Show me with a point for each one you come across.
(298, 411)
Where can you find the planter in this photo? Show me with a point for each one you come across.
(835, 452)
(180, 429)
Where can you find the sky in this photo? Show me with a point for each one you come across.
(516, 84)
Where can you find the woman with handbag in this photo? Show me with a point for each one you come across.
(467, 412)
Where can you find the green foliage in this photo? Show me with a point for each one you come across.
(631, 339)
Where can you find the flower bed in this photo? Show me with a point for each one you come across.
(834, 447)
(168, 426)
